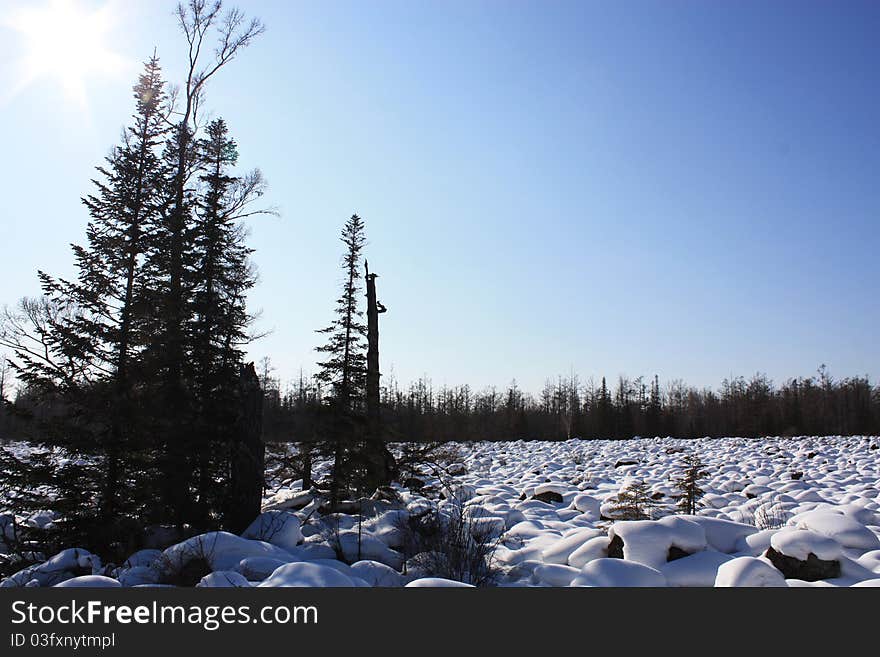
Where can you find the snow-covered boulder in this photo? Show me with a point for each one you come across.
(748, 571)
(437, 582)
(356, 547)
(212, 552)
(256, 569)
(595, 548)
(654, 542)
(281, 528)
(586, 504)
(842, 528)
(224, 579)
(377, 574)
(698, 569)
(69, 563)
(554, 574)
(617, 572)
(722, 535)
(560, 550)
(90, 582)
(302, 574)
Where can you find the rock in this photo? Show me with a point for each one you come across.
(810, 570)
(797, 475)
(622, 463)
(413, 483)
(457, 469)
(548, 496)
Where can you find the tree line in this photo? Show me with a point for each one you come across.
(568, 408)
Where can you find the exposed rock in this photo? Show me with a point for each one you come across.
(414, 483)
(615, 548)
(622, 463)
(676, 552)
(548, 496)
(811, 570)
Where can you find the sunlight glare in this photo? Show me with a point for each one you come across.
(65, 42)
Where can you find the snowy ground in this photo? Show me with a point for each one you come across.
(776, 512)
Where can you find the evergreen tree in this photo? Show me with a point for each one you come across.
(688, 484)
(85, 336)
(345, 367)
(218, 314)
(634, 502)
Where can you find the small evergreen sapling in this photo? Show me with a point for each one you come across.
(634, 502)
(688, 484)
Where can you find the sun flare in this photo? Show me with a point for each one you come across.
(64, 41)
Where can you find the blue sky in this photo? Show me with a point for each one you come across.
(681, 188)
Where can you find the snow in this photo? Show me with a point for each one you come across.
(307, 574)
(65, 565)
(221, 550)
(258, 568)
(748, 571)
(553, 574)
(699, 569)
(844, 529)
(648, 542)
(618, 572)
(559, 551)
(277, 527)
(89, 581)
(751, 503)
(377, 574)
(224, 579)
(438, 582)
(800, 543)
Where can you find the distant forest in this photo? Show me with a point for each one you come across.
(569, 408)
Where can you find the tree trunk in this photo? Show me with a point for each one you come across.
(380, 462)
(248, 454)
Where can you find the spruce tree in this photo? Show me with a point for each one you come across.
(688, 484)
(90, 332)
(344, 370)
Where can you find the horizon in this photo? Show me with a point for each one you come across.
(700, 207)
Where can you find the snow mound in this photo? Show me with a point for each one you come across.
(748, 571)
(799, 543)
(437, 582)
(617, 572)
(89, 581)
(648, 542)
(219, 550)
(698, 569)
(281, 528)
(224, 579)
(377, 574)
(67, 564)
(843, 529)
(303, 574)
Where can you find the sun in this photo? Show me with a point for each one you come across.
(64, 41)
